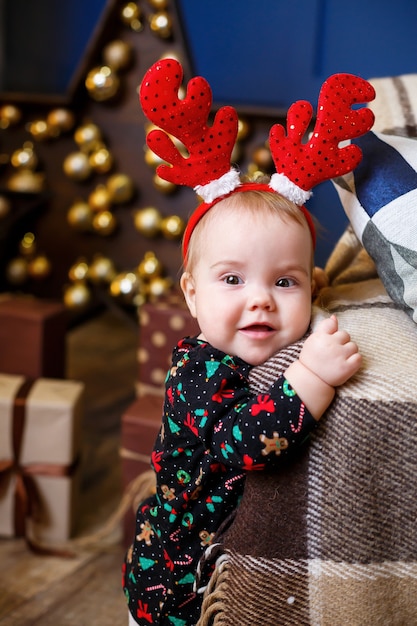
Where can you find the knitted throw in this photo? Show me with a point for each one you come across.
(331, 539)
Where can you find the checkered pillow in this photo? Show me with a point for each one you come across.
(380, 200)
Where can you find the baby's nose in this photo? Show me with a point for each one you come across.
(262, 299)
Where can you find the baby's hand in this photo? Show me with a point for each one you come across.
(330, 354)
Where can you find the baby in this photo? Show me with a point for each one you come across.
(248, 263)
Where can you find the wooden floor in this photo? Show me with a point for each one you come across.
(85, 590)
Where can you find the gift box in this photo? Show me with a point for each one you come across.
(40, 445)
(162, 324)
(140, 426)
(32, 337)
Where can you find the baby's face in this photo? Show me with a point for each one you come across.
(250, 289)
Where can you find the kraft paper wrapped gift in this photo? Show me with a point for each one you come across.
(40, 437)
(140, 427)
(32, 337)
(162, 324)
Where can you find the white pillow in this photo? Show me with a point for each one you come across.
(380, 200)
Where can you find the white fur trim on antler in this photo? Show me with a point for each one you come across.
(288, 189)
(219, 187)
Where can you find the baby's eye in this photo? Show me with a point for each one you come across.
(285, 282)
(231, 279)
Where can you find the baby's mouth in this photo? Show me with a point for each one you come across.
(258, 328)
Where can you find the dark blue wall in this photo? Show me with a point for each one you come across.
(272, 52)
(44, 42)
(265, 54)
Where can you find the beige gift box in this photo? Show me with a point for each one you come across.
(46, 426)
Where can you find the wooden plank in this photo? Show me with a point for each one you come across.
(24, 575)
(90, 594)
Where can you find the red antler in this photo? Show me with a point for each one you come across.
(320, 158)
(209, 148)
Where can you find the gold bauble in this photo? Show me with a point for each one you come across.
(101, 270)
(100, 199)
(254, 172)
(17, 271)
(171, 54)
(61, 120)
(152, 159)
(130, 15)
(180, 146)
(102, 83)
(77, 166)
(159, 5)
(77, 295)
(172, 227)
(243, 129)
(262, 158)
(150, 126)
(104, 223)
(150, 266)
(78, 271)
(101, 160)
(161, 24)
(121, 188)
(164, 186)
(80, 216)
(9, 115)
(117, 55)
(148, 221)
(26, 181)
(25, 157)
(87, 137)
(159, 286)
(40, 130)
(39, 267)
(140, 298)
(27, 245)
(5, 206)
(236, 153)
(130, 11)
(125, 286)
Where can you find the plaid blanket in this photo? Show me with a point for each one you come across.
(331, 540)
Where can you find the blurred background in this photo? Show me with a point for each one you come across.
(83, 218)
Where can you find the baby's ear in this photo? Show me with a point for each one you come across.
(319, 281)
(188, 289)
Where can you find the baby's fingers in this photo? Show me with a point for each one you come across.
(328, 325)
(353, 363)
(342, 337)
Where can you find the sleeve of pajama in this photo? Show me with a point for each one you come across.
(209, 399)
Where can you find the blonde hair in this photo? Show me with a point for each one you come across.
(255, 202)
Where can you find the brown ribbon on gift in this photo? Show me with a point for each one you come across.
(27, 503)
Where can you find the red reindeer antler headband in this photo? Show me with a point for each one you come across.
(299, 166)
